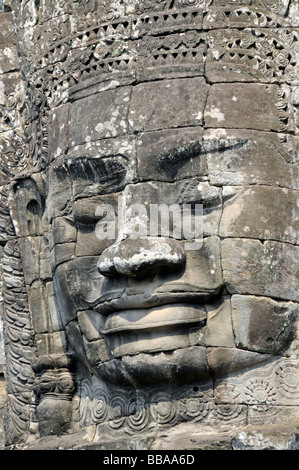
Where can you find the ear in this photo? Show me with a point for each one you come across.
(27, 210)
(27, 206)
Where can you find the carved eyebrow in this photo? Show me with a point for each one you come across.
(99, 170)
(173, 160)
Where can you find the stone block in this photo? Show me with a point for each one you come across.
(62, 231)
(151, 332)
(30, 249)
(261, 212)
(206, 264)
(218, 330)
(264, 325)
(12, 96)
(58, 131)
(266, 439)
(42, 306)
(168, 104)
(105, 116)
(62, 253)
(164, 200)
(71, 279)
(172, 154)
(280, 417)
(9, 59)
(269, 269)
(227, 361)
(236, 157)
(90, 324)
(75, 343)
(90, 218)
(266, 384)
(189, 365)
(96, 352)
(50, 343)
(59, 201)
(244, 106)
(101, 167)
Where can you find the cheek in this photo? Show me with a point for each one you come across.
(203, 265)
(77, 281)
(262, 324)
(269, 269)
(91, 241)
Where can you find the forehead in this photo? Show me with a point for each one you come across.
(177, 104)
(171, 129)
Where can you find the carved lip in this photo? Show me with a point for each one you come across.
(181, 304)
(156, 317)
(152, 311)
(106, 306)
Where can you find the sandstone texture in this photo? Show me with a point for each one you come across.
(149, 220)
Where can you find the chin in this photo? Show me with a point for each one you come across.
(147, 369)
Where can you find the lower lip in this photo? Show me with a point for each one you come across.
(152, 318)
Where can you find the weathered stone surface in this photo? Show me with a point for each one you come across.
(58, 131)
(184, 104)
(226, 361)
(191, 365)
(237, 157)
(48, 343)
(263, 440)
(149, 224)
(10, 91)
(246, 106)
(218, 330)
(244, 216)
(9, 59)
(171, 154)
(107, 113)
(263, 325)
(268, 385)
(101, 167)
(41, 298)
(60, 195)
(248, 268)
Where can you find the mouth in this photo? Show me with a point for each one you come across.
(153, 318)
(106, 306)
(132, 313)
(115, 301)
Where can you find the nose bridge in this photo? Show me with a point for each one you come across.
(136, 256)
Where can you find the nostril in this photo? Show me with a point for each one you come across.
(105, 264)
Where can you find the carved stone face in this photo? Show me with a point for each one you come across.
(157, 309)
(109, 112)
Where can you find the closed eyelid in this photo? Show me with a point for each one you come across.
(85, 212)
(97, 169)
(177, 157)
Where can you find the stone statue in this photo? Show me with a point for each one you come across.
(149, 186)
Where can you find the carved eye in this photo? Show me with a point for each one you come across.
(172, 161)
(85, 212)
(106, 170)
(88, 212)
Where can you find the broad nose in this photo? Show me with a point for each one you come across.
(134, 257)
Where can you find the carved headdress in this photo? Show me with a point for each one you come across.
(67, 46)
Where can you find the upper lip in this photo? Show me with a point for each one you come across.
(151, 318)
(107, 305)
